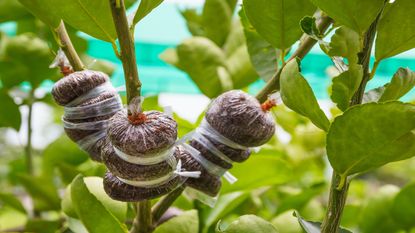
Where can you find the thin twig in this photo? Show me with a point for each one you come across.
(143, 221)
(305, 47)
(127, 47)
(164, 204)
(66, 45)
(338, 191)
(28, 147)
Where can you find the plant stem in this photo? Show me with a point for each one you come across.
(305, 47)
(143, 222)
(337, 200)
(164, 204)
(28, 147)
(337, 197)
(127, 47)
(66, 45)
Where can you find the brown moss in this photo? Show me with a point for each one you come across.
(130, 171)
(76, 84)
(157, 133)
(120, 191)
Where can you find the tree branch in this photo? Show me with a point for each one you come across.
(164, 204)
(338, 196)
(127, 47)
(66, 45)
(305, 47)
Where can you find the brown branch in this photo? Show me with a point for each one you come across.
(127, 47)
(338, 196)
(66, 45)
(305, 47)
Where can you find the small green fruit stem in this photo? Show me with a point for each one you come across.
(127, 47)
(305, 47)
(66, 45)
(338, 196)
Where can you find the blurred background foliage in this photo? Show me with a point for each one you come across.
(288, 173)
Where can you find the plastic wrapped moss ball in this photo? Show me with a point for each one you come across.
(76, 84)
(121, 191)
(155, 132)
(240, 118)
(89, 100)
(129, 170)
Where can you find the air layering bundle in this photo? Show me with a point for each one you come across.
(141, 155)
(233, 122)
(89, 100)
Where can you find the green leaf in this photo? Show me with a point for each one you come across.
(11, 218)
(92, 17)
(355, 14)
(346, 43)
(42, 190)
(44, 226)
(308, 26)
(12, 10)
(402, 82)
(313, 227)
(12, 201)
(203, 61)
(402, 209)
(345, 85)
(12, 118)
(235, 39)
(224, 205)
(376, 213)
(277, 21)
(396, 30)
(186, 222)
(298, 201)
(193, 21)
(263, 55)
(91, 211)
(145, 7)
(45, 10)
(271, 171)
(61, 151)
(96, 188)
(26, 58)
(240, 68)
(248, 224)
(216, 20)
(371, 135)
(296, 93)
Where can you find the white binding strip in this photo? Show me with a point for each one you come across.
(94, 125)
(206, 129)
(208, 145)
(162, 180)
(93, 93)
(209, 166)
(105, 107)
(147, 159)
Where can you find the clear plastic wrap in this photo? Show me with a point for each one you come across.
(89, 141)
(103, 108)
(206, 129)
(154, 183)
